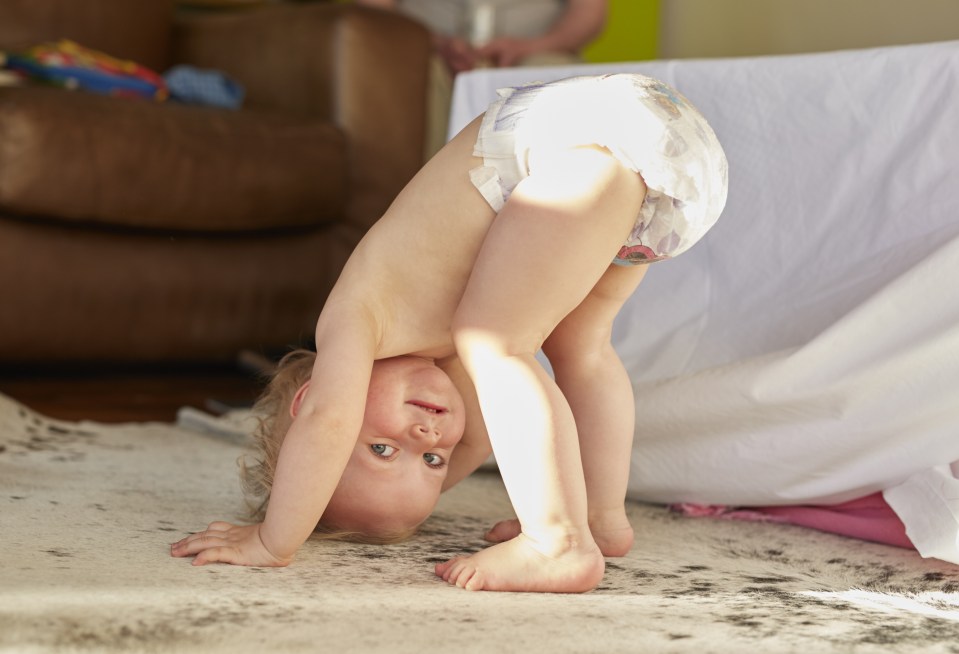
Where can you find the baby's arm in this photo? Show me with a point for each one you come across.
(474, 448)
(312, 457)
(321, 439)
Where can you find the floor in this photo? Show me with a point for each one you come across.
(130, 395)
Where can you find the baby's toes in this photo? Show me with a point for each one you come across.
(443, 569)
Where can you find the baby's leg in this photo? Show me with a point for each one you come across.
(600, 394)
(542, 256)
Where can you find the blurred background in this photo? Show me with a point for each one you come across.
(665, 29)
(146, 248)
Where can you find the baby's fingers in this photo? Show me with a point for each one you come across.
(196, 543)
(226, 543)
(221, 554)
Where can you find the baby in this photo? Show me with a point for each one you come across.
(425, 348)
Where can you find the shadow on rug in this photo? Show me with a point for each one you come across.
(89, 511)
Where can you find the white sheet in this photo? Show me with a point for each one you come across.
(807, 350)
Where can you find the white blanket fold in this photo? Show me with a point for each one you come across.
(806, 350)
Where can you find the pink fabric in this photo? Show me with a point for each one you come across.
(867, 518)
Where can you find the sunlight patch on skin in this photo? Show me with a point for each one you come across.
(565, 178)
(934, 605)
(516, 408)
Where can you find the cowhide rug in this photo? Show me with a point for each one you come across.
(88, 512)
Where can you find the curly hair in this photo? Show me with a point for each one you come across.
(257, 468)
(272, 411)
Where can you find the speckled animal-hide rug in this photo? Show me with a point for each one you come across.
(89, 510)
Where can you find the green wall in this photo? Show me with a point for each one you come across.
(631, 32)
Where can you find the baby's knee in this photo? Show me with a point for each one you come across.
(478, 339)
(569, 348)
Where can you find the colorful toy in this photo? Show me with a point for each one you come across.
(70, 65)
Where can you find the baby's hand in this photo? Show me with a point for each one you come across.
(226, 543)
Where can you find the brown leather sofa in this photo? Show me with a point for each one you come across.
(134, 231)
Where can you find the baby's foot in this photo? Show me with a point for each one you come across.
(614, 537)
(612, 532)
(519, 565)
(503, 530)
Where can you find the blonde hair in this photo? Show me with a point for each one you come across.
(257, 468)
(272, 411)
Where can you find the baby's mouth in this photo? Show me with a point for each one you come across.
(429, 407)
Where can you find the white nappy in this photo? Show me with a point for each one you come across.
(648, 126)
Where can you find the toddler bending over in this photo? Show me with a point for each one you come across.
(425, 346)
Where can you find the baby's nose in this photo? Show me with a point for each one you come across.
(425, 432)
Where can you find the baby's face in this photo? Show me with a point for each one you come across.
(414, 418)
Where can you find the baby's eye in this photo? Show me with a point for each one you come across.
(434, 460)
(383, 450)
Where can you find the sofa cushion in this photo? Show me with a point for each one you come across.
(80, 157)
(138, 30)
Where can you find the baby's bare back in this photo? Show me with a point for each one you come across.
(412, 266)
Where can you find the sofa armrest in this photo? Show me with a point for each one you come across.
(364, 70)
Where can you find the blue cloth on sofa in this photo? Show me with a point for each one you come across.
(198, 86)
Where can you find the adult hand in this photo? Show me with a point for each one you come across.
(456, 52)
(223, 542)
(507, 51)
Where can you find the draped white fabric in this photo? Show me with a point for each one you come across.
(807, 350)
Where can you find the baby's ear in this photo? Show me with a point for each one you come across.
(298, 399)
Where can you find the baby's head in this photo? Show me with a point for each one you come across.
(414, 418)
